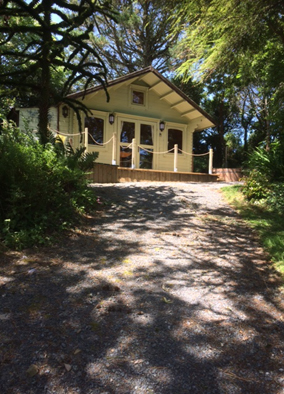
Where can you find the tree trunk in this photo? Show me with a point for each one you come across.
(44, 94)
(221, 133)
(267, 125)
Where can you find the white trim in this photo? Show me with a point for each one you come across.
(177, 126)
(101, 115)
(141, 89)
(137, 122)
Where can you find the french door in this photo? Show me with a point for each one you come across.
(144, 134)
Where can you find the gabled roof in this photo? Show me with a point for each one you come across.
(166, 91)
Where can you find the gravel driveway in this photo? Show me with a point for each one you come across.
(163, 291)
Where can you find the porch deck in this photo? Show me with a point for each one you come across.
(106, 173)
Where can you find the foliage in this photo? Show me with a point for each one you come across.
(141, 38)
(269, 162)
(266, 175)
(45, 45)
(42, 191)
(220, 33)
(267, 220)
(241, 42)
(74, 159)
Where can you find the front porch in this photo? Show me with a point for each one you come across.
(106, 173)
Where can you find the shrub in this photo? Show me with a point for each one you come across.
(268, 162)
(40, 191)
(264, 182)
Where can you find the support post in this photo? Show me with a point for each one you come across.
(114, 149)
(86, 138)
(175, 157)
(210, 169)
(133, 156)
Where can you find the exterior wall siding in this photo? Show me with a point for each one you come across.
(120, 105)
(154, 111)
(28, 118)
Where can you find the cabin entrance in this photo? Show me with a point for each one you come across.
(136, 144)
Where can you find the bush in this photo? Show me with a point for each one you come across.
(40, 191)
(265, 180)
(268, 162)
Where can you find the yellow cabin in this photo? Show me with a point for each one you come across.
(148, 123)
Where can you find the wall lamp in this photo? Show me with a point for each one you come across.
(65, 111)
(111, 118)
(162, 125)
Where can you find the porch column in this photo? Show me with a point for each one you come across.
(86, 138)
(133, 156)
(210, 169)
(114, 149)
(175, 157)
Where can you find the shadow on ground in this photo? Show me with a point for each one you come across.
(159, 292)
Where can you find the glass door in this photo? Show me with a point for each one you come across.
(127, 134)
(146, 139)
(143, 132)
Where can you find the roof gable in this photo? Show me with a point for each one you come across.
(164, 89)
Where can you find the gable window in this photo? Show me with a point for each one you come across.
(174, 137)
(95, 130)
(138, 97)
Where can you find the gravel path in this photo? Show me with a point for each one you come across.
(163, 291)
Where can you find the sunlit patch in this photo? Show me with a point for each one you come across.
(142, 319)
(127, 273)
(209, 315)
(126, 261)
(261, 305)
(5, 279)
(95, 369)
(5, 316)
(204, 351)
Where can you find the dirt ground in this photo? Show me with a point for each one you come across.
(164, 290)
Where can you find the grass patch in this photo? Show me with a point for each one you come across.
(266, 220)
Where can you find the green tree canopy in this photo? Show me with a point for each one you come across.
(243, 41)
(50, 39)
(219, 33)
(140, 39)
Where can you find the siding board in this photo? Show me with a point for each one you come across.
(138, 175)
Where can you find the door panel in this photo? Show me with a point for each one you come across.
(146, 137)
(127, 132)
(143, 132)
(126, 136)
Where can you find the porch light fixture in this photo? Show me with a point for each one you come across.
(111, 118)
(162, 125)
(65, 111)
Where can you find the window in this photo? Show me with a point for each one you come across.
(138, 97)
(146, 158)
(146, 134)
(95, 130)
(127, 132)
(126, 137)
(174, 137)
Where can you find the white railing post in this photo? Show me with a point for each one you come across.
(133, 153)
(114, 149)
(210, 169)
(86, 138)
(175, 157)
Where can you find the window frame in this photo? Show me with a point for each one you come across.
(138, 89)
(177, 126)
(182, 138)
(98, 115)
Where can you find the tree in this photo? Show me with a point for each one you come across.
(245, 41)
(220, 32)
(49, 45)
(140, 39)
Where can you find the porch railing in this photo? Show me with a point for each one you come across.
(134, 151)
